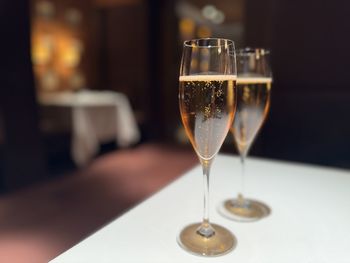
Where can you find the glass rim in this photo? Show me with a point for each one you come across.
(192, 42)
(251, 50)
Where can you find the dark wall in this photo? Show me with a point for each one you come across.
(21, 151)
(308, 120)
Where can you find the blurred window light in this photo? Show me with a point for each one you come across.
(219, 18)
(213, 14)
(209, 11)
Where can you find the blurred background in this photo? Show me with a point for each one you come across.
(89, 88)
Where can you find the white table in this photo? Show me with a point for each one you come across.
(309, 222)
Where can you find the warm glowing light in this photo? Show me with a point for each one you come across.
(57, 47)
(194, 63)
(45, 9)
(42, 50)
(187, 27)
(71, 52)
(204, 31)
(204, 66)
(50, 81)
(77, 81)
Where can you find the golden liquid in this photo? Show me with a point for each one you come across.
(207, 106)
(253, 102)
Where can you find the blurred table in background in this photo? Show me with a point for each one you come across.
(309, 220)
(97, 117)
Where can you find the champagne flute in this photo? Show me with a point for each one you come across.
(253, 101)
(207, 100)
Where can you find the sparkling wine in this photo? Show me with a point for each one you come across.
(253, 101)
(207, 106)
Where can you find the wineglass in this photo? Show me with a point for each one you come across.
(207, 100)
(254, 79)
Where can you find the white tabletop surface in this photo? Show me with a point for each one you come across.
(309, 221)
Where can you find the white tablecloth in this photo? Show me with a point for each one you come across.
(97, 117)
(309, 220)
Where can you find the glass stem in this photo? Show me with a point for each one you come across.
(206, 229)
(241, 201)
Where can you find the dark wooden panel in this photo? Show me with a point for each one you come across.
(120, 38)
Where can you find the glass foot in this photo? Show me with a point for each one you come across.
(247, 211)
(219, 243)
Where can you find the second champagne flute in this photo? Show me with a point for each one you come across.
(207, 101)
(253, 101)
